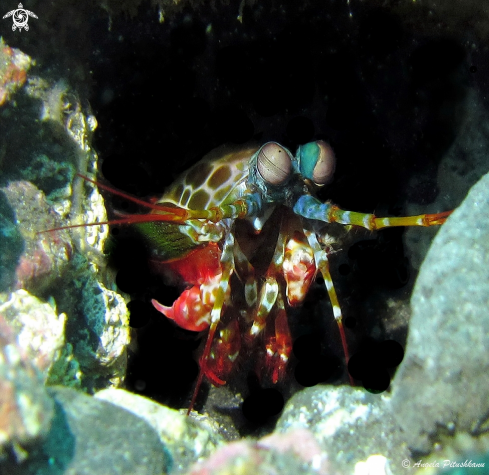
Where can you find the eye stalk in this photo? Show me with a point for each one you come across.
(274, 163)
(317, 162)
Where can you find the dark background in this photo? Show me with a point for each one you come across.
(385, 88)
(389, 100)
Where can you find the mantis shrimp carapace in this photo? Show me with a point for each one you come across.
(193, 231)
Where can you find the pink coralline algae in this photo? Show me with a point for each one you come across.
(13, 71)
(45, 254)
(295, 453)
(25, 408)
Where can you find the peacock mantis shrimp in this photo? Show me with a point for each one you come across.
(194, 232)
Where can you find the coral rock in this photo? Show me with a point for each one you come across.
(446, 362)
(295, 453)
(13, 70)
(45, 255)
(187, 440)
(26, 409)
(39, 329)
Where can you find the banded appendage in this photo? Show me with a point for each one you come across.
(311, 208)
(250, 205)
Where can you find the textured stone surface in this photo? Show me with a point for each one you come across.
(26, 410)
(443, 378)
(186, 440)
(39, 329)
(295, 453)
(92, 437)
(50, 133)
(97, 326)
(350, 425)
(13, 68)
(44, 255)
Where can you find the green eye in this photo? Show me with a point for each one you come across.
(317, 162)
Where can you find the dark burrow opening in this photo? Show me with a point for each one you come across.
(383, 95)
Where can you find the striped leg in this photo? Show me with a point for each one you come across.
(222, 293)
(323, 265)
(224, 351)
(246, 273)
(279, 344)
(266, 301)
(278, 341)
(299, 268)
(270, 288)
(312, 208)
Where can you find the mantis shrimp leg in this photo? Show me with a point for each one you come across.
(312, 208)
(221, 294)
(322, 264)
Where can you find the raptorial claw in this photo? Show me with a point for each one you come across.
(299, 269)
(192, 310)
(224, 351)
(188, 311)
(279, 346)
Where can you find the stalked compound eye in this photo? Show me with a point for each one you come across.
(317, 162)
(274, 163)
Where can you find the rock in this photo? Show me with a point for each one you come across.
(12, 245)
(91, 437)
(97, 327)
(45, 255)
(446, 362)
(26, 410)
(350, 425)
(186, 440)
(294, 453)
(50, 135)
(13, 70)
(39, 329)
